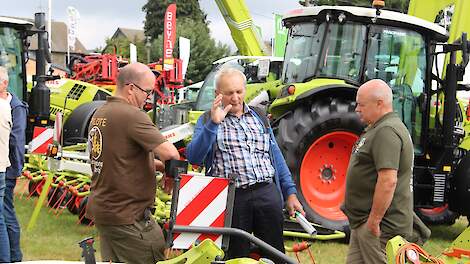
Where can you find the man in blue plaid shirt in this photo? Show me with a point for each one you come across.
(232, 138)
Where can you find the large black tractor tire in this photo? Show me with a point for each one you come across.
(316, 140)
(76, 126)
(437, 216)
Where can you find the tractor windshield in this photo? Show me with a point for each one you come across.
(10, 57)
(342, 48)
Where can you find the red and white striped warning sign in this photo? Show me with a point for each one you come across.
(42, 137)
(202, 201)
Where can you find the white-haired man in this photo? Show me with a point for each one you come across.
(235, 139)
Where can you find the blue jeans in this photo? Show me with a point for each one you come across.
(13, 227)
(4, 241)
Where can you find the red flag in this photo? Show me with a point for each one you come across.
(169, 34)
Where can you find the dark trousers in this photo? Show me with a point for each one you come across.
(11, 221)
(4, 241)
(257, 210)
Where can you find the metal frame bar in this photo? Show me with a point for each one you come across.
(235, 232)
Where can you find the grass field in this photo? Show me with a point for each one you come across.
(57, 237)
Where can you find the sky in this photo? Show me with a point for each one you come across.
(100, 18)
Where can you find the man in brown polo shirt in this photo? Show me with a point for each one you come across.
(378, 199)
(123, 143)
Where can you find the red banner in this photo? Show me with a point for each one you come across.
(169, 34)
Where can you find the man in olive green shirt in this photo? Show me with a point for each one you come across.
(378, 201)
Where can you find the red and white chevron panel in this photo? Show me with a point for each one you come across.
(202, 201)
(42, 137)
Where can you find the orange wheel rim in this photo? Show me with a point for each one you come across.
(434, 211)
(323, 173)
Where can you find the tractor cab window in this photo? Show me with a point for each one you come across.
(337, 55)
(344, 45)
(10, 58)
(302, 51)
(206, 93)
(398, 56)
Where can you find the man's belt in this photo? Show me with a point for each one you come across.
(255, 186)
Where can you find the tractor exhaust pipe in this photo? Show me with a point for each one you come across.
(40, 94)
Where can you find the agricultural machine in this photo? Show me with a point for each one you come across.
(333, 50)
(62, 95)
(330, 52)
(100, 69)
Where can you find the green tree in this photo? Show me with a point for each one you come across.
(155, 13)
(120, 46)
(204, 49)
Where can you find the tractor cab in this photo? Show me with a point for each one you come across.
(12, 37)
(353, 45)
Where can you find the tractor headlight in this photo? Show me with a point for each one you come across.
(287, 91)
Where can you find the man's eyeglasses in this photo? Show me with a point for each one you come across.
(147, 92)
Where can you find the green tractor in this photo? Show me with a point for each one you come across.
(76, 100)
(330, 52)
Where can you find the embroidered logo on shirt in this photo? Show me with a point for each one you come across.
(95, 146)
(96, 142)
(359, 143)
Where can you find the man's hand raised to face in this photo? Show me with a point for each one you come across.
(217, 113)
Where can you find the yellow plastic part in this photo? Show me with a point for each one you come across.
(392, 248)
(244, 261)
(461, 242)
(203, 253)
